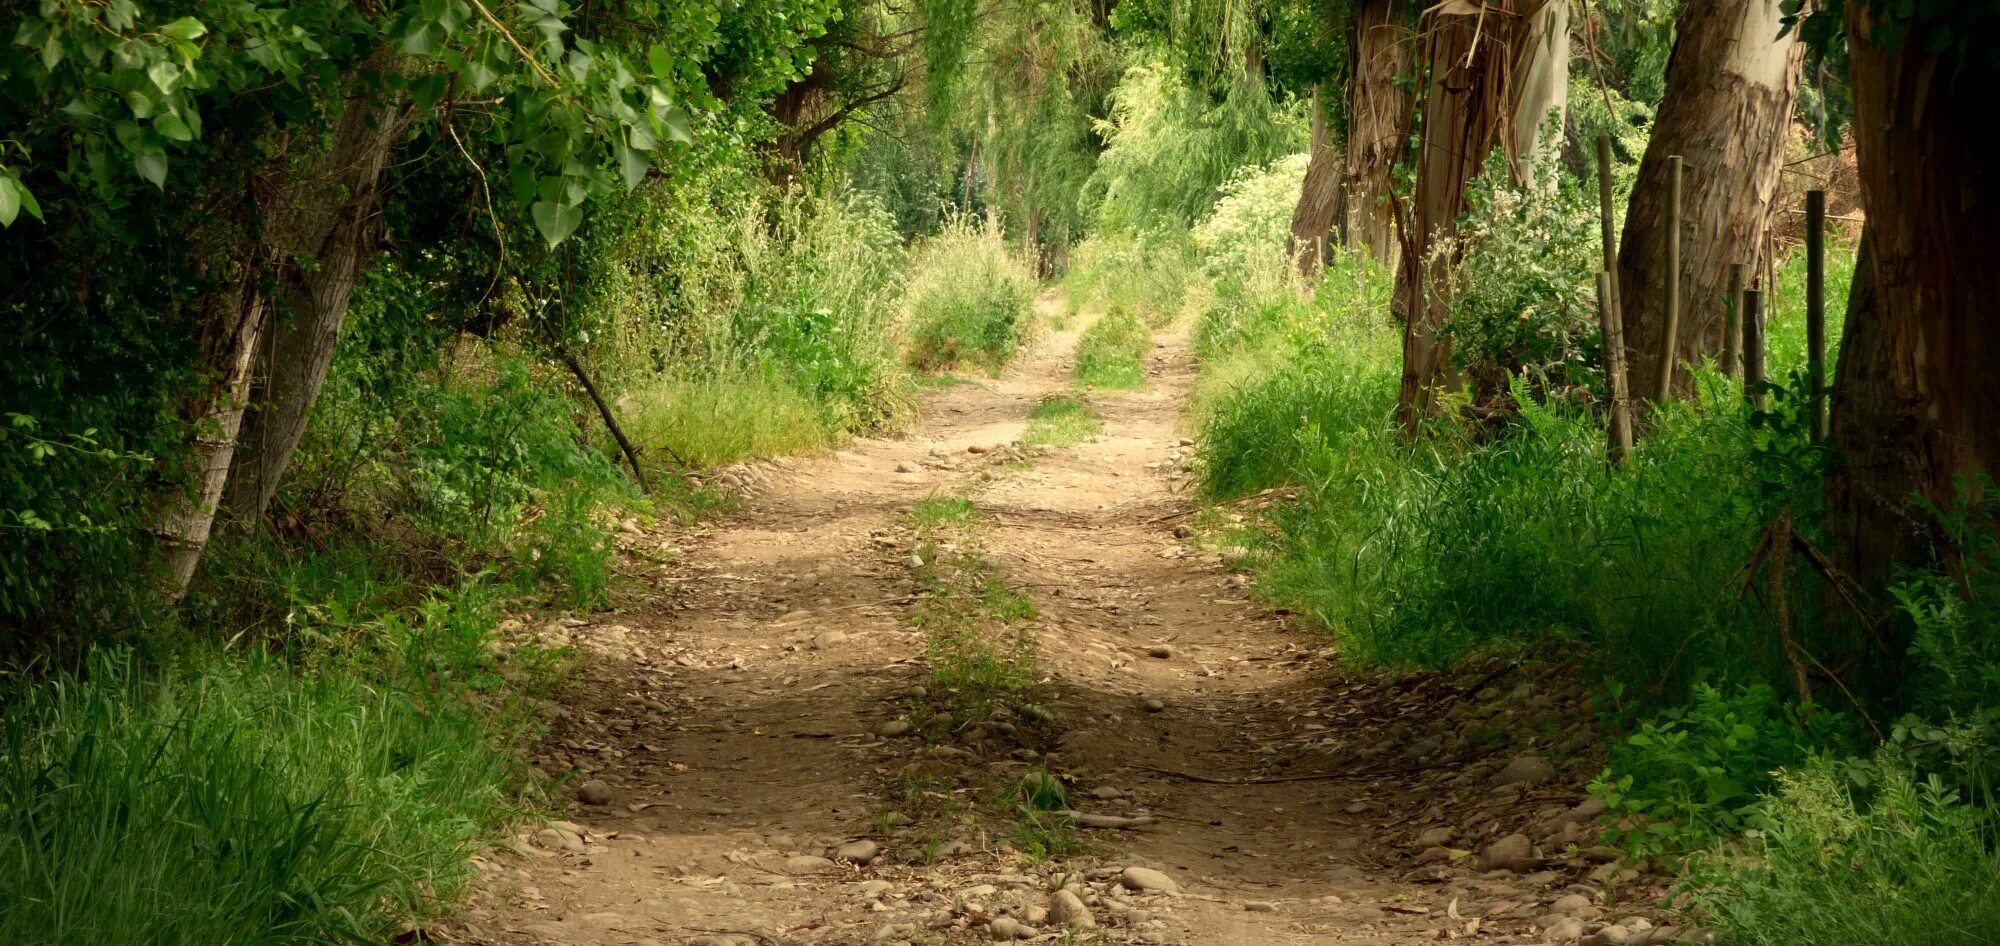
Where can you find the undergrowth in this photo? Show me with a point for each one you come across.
(968, 302)
(1111, 353)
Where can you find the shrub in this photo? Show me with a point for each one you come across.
(1112, 351)
(1898, 861)
(968, 300)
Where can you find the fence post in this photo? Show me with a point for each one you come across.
(1614, 371)
(1753, 347)
(1816, 309)
(1732, 321)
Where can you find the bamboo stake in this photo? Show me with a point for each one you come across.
(1732, 321)
(1605, 214)
(1614, 371)
(1753, 347)
(1673, 267)
(1816, 309)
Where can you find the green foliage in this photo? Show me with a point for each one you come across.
(1060, 420)
(1112, 352)
(1522, 286)
(968, 300)
(1898, 860)
(1168, 150)
(1149, 273)
(980, 650)
(1695, 774)
(225, 799)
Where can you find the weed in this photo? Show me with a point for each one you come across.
(1112, 352)
(938, 512)
(1060, 420)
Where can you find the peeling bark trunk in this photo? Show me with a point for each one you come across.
(1916, 410)
(1467, 108)
(1378, 119)
(1541, 88)
(325, 222)
(1727, 113)
(229, 352)
(1319, 195)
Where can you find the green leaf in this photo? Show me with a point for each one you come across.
(170, 127)
(185, 29)
(165, 74)
(556, 222)
(10, 201)
(633, 165)
(153, 167)
(52, 52)
(661, 61)
(419, 41)
(677, 125)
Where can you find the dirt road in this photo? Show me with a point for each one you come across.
(732, 717)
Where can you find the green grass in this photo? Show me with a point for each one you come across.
(979, 646)
(226, 799)
(968, 302)
(1060, 421)
(1112, 352)
(1899, 863)
(711, 422)
(938, 512)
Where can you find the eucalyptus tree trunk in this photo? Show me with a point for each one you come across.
(321, 231)
(1916, 409)
(1320, 197)
(1541, 88)
(1378, 124)
(1727, 112)
(1472, 51)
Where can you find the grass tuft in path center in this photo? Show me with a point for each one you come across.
(1112, 352)
(1060, 420)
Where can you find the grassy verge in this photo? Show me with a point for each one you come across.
(1060, 420)
(715, 421)
(968, 301)
(1112, 352)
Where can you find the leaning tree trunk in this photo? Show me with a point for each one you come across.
(1471, 51)
(1916, 411)
(324, 218)
(215, 417)
(1378, 123)
(1727, 113)
(1320, 197)
(1541, 89)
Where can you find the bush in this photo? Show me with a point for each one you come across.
(226, 800)
(968, 300)
(1112, 352)
(1900, 862)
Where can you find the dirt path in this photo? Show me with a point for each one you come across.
(731, 717)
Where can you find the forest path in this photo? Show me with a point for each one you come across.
(731, 715)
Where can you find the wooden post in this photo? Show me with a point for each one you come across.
(1816, 309)
(1732, 321)
(1610, 233)
(1753, 347)
(1673, 268)
(1614, 371)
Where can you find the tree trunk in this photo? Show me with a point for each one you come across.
(1916, 410)
(1378, 124)
(1319, 195)
(1727, 113)
(325, 221)
(1471, 50)
(1541, 88)
(229, 353)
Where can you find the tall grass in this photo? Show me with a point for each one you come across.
(224, 799)
(968, 301)
(1112, 352)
